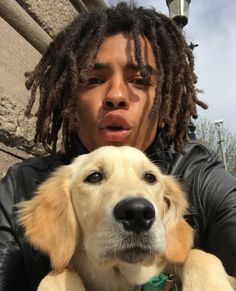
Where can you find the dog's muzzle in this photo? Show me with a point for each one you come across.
(135, 214)
(135, 217)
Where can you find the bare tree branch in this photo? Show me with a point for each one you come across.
(206, 133)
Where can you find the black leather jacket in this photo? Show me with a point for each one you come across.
(211, 192)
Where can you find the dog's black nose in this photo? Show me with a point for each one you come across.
(136, 214)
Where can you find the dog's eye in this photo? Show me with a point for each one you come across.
(150, 178)
(94, 178)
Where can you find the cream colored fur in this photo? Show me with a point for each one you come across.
(72, 221)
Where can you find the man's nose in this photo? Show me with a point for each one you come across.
(116, 96)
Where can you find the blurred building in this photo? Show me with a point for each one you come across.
(26, 28)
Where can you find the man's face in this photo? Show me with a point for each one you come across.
(114, 106)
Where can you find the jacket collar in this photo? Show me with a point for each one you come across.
(159, 152)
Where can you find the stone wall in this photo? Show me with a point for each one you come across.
(18, 56)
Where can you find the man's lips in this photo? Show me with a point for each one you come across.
(113, 135)
(115, 127)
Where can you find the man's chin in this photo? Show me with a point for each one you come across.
(118, 143)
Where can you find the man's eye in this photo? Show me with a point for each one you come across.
(94, 178)
(94, 81)
(141, 82)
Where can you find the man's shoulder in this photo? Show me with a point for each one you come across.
(196, 156)
(32, 167)
(40, 163)
(199, 150)
(203, 174)
(27, 175)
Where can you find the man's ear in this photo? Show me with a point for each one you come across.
(49, 219)
(179, 232)
(160, 124)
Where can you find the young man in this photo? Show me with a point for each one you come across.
(120, 76)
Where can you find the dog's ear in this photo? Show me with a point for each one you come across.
(49, 220)
(179, 232)
(179, 242)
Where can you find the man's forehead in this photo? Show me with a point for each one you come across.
(119, 49)
(126, 40)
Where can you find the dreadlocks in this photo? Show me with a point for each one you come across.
(72, 53)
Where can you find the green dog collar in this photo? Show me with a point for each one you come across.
(156, 283)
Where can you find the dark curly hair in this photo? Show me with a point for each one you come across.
(72, 53)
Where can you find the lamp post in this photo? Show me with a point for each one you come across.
(219, 125)
(179, 11)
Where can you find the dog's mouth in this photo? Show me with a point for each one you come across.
(133, 249)
(134, 255)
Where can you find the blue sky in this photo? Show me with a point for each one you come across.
(212, 25)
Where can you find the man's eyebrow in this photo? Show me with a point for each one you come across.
(148, 67)
(100, 66)
(130, 66)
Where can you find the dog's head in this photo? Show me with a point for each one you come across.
(115, 204)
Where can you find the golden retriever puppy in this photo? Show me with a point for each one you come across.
(111, 221)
